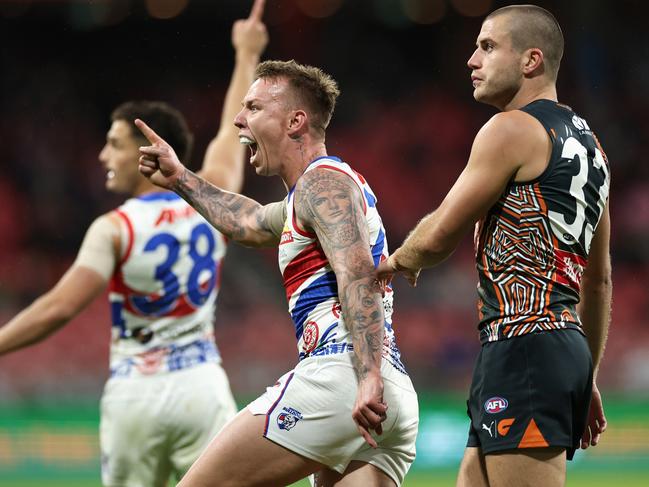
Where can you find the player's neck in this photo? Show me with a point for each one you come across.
(299, 158)
(531, 92)
(145, 187)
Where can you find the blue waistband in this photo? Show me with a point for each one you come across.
(174, 358)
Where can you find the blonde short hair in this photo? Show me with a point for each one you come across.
(313, 87)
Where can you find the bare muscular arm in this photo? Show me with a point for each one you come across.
(240, 218)
(594, 306)
(330, 204)
(594, 310)
(223, 164)
(509, 146)
(80, 285)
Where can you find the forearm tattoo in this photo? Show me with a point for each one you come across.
(361, 307)
(228, 212)
(331, 204)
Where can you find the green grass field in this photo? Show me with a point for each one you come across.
(443, 478)
(58, 447)
(446, 478)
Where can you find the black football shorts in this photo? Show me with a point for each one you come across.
(531, 391)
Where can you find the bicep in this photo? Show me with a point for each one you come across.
(331, 205)
(76, 289)
(98, 250)
(264, 224)
(273, 218)
(492, 165)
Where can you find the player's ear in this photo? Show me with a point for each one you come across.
(297, 123)
(532, 60)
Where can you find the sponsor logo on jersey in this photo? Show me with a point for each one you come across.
(495, 405)
(170, 215)
(580, 123)
(335, 309)
(310, 336)
(142, 334)
(570, 268)
(286, 237)
(288, 418)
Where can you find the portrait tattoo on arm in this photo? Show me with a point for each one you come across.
(330, 204)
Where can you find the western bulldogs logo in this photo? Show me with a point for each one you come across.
(288, 418)
(495, 405)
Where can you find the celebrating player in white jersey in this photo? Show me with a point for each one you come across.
(167, 395)
(348, 411)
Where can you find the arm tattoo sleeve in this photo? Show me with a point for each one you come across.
(234, 215)
(331, 204)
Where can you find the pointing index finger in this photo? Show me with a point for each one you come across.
(148, 131)
(257, 11)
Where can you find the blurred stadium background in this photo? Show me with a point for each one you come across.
(406, 119)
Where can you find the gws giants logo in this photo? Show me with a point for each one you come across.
(288, 418)
(500, 428)
(495, 405)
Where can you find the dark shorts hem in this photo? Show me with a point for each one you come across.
(570, 451)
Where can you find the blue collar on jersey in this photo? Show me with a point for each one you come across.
(337, 159)
(158, 196)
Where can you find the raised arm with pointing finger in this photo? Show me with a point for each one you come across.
(223, 163)
(239, 217)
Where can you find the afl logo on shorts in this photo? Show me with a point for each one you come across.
(310, 336)
(495, 405)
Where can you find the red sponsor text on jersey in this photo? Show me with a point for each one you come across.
(570, 268)
(170, 215)
(286, 237)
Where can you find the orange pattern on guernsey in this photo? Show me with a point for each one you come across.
(517, 264)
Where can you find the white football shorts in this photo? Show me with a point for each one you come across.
(309, 411)
(157, 426)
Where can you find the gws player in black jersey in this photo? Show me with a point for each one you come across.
(536, 184)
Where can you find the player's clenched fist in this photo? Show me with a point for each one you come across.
(158, 161)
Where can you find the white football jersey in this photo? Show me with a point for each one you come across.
(310, 282)
(163, 291)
